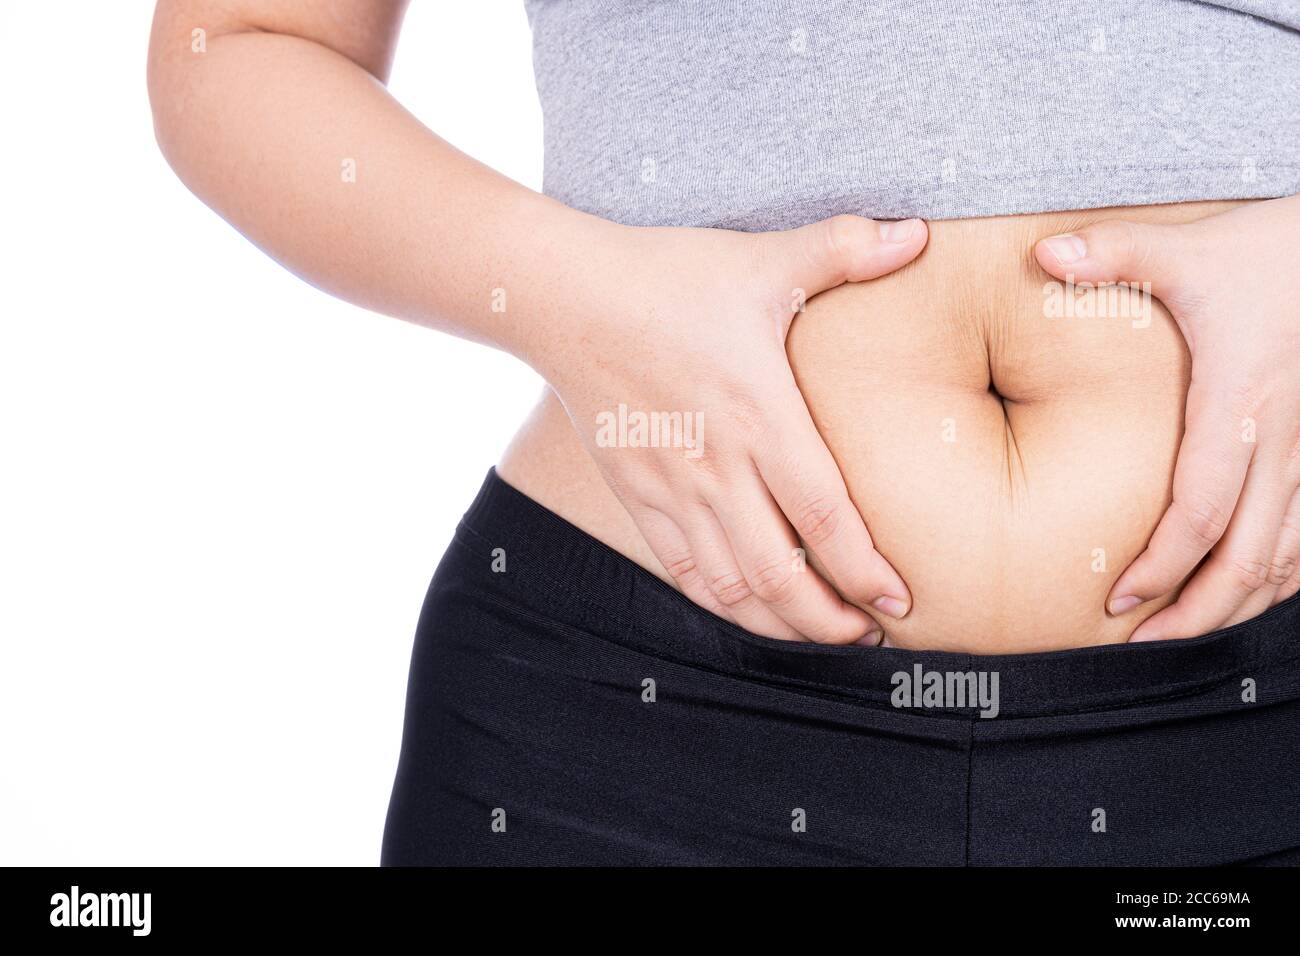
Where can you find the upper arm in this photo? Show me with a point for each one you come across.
(364, 31)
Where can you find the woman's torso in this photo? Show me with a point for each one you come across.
(1008, 515)
(1009, 442)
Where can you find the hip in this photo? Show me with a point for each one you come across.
(566, 706)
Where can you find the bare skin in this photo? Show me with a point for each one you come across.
(1010, 464)
(276, 116)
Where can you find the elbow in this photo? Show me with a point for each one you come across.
(174, 77)
(165, 82)
(162, 106)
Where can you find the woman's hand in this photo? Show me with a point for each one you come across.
(1232, 283)
(687, 327)
(690, 321)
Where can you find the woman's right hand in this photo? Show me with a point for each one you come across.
(692, 323)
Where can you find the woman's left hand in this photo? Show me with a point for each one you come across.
(1232, 283)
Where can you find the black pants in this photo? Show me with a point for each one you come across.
(567, 707)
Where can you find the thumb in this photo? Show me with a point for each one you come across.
(842, 249)
(1117, 250)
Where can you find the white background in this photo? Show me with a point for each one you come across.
(222, 493)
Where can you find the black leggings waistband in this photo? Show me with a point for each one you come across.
(560, 572)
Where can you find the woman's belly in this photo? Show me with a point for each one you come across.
(1009, 442)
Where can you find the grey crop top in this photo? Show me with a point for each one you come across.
(764, 114)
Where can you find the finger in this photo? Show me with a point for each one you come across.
(841, 249)
(1286, 557)
(1116, 250)
(806, 482)
(1208, 480)
(674, 552)
(1237, 569)
(730, 586)
(1282, 570)
(779, 576)
(1253, 606)
(1290, 588)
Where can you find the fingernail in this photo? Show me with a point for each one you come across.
(871, 638)
(899, 231)
(1121, 604)
(1067, 248)
(891, 606)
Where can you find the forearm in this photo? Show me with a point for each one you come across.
(268, 129)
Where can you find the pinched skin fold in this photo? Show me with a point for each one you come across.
(1010, 442)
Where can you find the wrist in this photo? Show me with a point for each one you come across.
(567, 279)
